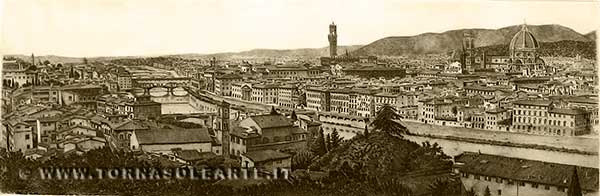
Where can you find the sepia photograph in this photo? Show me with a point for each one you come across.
(299, 97)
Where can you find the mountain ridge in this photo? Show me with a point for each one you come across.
(435, 43)
(424, 43)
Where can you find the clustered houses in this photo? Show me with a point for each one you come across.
(542, 117)
(73, 94)
(482, 99)
(48, 130)
(127, 106)
(285, 96)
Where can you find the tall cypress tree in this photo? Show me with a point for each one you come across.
(318, 146)
(294, 116)
(487, 191)
(335, 139)
(328, 143)
(574, 187)
(273, 111)
(71, 75)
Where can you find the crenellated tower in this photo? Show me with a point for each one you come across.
(332, 40)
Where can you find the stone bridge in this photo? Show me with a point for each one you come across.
(168, 83)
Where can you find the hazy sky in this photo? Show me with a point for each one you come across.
(151, 27)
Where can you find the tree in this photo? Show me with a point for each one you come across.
(302, 160)
(302, 99)
(366, 133)
(293, 116)
(439, 187)
(71, 74)
(470, 192)
(273, 111)
(387, 120)
(574, 187)
(328, 143)
(46, 62)
(335, 139)
(85, 61)
(487, 191)
(318, 146)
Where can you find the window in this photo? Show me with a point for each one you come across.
(534, 185)
(561, 189)
(521, 183)
(27, 136)
(547, 187)
(499, 192)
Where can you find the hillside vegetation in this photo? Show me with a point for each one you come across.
(435, 43)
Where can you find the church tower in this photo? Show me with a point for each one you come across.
(332, 40)
(468, 47)
(224, 127)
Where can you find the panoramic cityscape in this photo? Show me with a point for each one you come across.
(470, 111)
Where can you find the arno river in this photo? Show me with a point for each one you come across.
(453, 148)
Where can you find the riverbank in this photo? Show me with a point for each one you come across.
(508, 144)
(575, 144)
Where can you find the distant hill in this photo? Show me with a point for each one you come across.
(264, 53)
(268, 53)
(51, 58)
(66, 60)
(435, 43)
(565, 48)
(591, 35)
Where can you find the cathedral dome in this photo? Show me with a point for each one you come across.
(524, 39)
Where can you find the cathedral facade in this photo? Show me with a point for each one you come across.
(522, 57)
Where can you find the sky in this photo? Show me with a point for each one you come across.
(87, 28)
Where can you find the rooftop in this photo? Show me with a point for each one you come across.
(173, 136)
(545, 103)
(527, 170)
(567, 111)
(271, 121)
(266, 155)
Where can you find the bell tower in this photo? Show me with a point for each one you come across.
(332, 40)
(224, 127)
(468, 47)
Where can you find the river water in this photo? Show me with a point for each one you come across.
(453, 148)
(178, 108)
